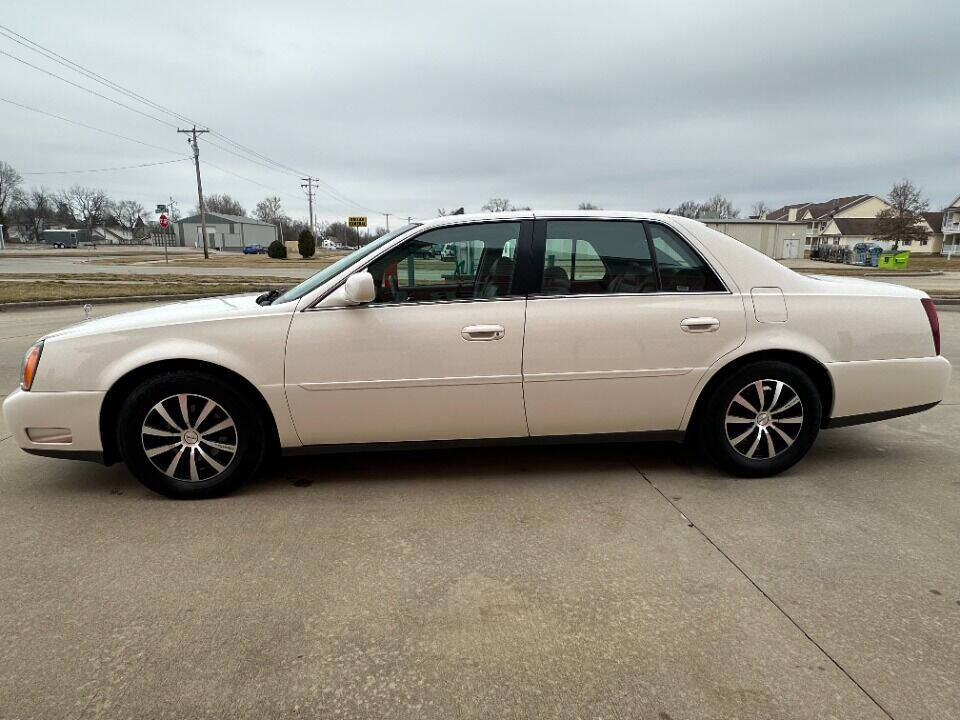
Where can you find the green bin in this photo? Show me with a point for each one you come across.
(894, 261)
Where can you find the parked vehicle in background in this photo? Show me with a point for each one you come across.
(254, 250)
(65, 237)
(581, 325)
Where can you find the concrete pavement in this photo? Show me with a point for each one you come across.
(590, 581)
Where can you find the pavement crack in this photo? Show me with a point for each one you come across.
(692, 523)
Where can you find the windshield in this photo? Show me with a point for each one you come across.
(315, 281)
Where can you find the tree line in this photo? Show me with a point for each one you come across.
(33, 210)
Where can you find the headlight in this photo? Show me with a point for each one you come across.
(30, 362)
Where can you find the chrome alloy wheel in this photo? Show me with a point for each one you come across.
(764, 419)
(189, 437)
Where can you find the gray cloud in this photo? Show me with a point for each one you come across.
(407, 107)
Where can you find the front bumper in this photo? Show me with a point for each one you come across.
(57, 424)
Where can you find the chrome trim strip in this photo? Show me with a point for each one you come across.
(606, 374)
(649, 294)
(413, 382)
(375, 306)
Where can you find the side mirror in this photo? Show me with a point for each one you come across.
(359, 288)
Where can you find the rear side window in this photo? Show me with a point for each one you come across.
(597, 257)
(680, 268)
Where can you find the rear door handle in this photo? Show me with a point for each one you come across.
(482, 332)
(700, 325)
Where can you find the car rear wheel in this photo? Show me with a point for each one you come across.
(189, 435)
(762, 419)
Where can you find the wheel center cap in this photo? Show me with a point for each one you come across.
(191, 437)
(763, 419)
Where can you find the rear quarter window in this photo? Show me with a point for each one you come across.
(681, 269)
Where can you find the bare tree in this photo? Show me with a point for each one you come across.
(903, 220)
(718, 207)
(760, 210)
(443, 211)
(222, 204)
(88, 206)
(588, 206)
(10, 181)
(269, 210)
(126, 213)
(33, 210)
(501, 205)
(688, 208)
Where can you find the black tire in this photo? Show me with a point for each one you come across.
(193, 477)
(742, 446)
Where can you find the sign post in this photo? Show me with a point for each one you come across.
(164, 224)
(357, 221)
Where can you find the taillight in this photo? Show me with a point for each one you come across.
(30, 363)
(934, 322)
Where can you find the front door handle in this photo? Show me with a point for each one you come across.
(482, 332)
(700, 325)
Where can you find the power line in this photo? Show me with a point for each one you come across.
(96, 170)
(249, 180)
(330, 190)
(334, 195)
(85, 125)
(16, 37)
(85, 89)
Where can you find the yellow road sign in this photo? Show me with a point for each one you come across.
(357, 221)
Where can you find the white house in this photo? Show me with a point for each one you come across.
(951, 227)
(817, 216)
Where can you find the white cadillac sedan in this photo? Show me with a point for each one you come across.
(516, 327)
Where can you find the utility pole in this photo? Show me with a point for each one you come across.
(196, 161)
(309, 186)
(387, 216)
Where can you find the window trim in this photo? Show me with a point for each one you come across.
(523, 241)
(540, 249)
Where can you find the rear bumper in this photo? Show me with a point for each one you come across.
(870, 390)
(56, 424)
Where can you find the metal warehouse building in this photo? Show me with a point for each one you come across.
(225, 232)
(780, 239)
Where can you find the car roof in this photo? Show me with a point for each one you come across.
(531, 215)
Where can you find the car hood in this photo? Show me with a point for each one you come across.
(177, 313)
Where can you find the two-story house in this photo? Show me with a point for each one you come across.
(951, 227)
(820, 217)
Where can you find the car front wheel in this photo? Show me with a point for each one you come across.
(762, 419)
(189, 435)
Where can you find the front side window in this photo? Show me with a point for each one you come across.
(596, 257)
(464, 262)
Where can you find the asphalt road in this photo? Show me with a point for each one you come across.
(605, 581)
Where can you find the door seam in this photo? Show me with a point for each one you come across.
(523, 357)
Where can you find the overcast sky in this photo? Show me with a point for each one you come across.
(407, 107)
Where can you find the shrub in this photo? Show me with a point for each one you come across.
(306, 244)
(277, 250)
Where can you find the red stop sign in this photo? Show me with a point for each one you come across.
(164, 221)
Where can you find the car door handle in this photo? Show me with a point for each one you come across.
(700, 325)
(482, 332)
